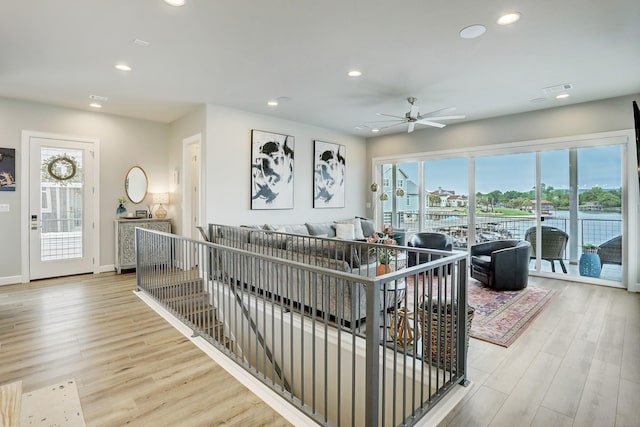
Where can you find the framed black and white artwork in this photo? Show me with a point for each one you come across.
(329, 173)
(271, 170)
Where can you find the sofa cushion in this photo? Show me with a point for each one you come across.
(289, 228)
(357, 227)
(264, 238)
(483, 261)
(318, 228)
(330, 248)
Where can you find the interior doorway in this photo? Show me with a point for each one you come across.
(192, 215)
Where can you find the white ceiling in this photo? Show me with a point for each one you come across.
(241, 53)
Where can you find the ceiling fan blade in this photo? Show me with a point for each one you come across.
(385, 121)
(442, 110)
(429, 123)
(461, 116)
(412, 126)
(390, 115)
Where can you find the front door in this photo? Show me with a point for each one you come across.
(61, 217)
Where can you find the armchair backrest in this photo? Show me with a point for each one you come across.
(487, 248)
(554, 241)
(431, 241)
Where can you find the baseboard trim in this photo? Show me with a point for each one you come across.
(107, 268)
(10, 280)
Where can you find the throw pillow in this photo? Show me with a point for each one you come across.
(317, 228)
(345, 231)
(368, 227)
(357, 227)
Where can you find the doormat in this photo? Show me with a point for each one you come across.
(502, 316)
(54, 405)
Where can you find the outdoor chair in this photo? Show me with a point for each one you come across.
(610, 252)
(554, 244)
(438, 241)
(501, 264)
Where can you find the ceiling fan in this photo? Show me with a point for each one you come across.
(413, 116)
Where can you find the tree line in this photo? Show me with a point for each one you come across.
(559, 198)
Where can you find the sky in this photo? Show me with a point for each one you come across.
(597, 166)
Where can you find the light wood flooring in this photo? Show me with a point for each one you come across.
(131, 366)
(578, 364)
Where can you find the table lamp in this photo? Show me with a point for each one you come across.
(160, 199)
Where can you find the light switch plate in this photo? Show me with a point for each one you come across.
(4, 207)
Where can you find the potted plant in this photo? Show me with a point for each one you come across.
(384, 253)
(590, 248)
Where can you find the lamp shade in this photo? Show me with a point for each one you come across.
(161, 198)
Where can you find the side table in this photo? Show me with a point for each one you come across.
(590, 265)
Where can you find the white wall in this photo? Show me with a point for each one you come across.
(579, 119)
(228, 166)
(123, 143)
(189, 125)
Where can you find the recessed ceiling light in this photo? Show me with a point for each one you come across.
(123, 67)
(175, 2)
(272, 103)
(538, 100)
(562, 96)
(98, 97)
(509, 18)
(95, 105)
(141, 43)
(375, 130)
(472, 31)
(354, 73)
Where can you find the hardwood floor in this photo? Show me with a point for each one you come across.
(131, 366)
(578, 364)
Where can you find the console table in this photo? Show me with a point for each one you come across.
(125, 243)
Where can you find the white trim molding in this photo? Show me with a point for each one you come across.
(10, 280)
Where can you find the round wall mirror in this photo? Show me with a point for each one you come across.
(135, 184)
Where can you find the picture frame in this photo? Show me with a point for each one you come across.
(7, 169)
(329, 175)
(142, 213)
(272, 170)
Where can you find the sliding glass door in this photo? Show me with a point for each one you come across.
(446, 198)
(567, 202)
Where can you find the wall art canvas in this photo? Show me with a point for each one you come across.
(271, 170)
(7, 169)
(329, 175)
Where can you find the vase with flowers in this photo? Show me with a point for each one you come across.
(121, 209)
(384, 252)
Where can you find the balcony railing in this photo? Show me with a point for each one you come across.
(330, 337)
(594, 231)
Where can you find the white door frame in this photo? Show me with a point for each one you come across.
(186, 183)
(24, 197)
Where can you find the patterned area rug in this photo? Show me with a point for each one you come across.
(501, 316)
